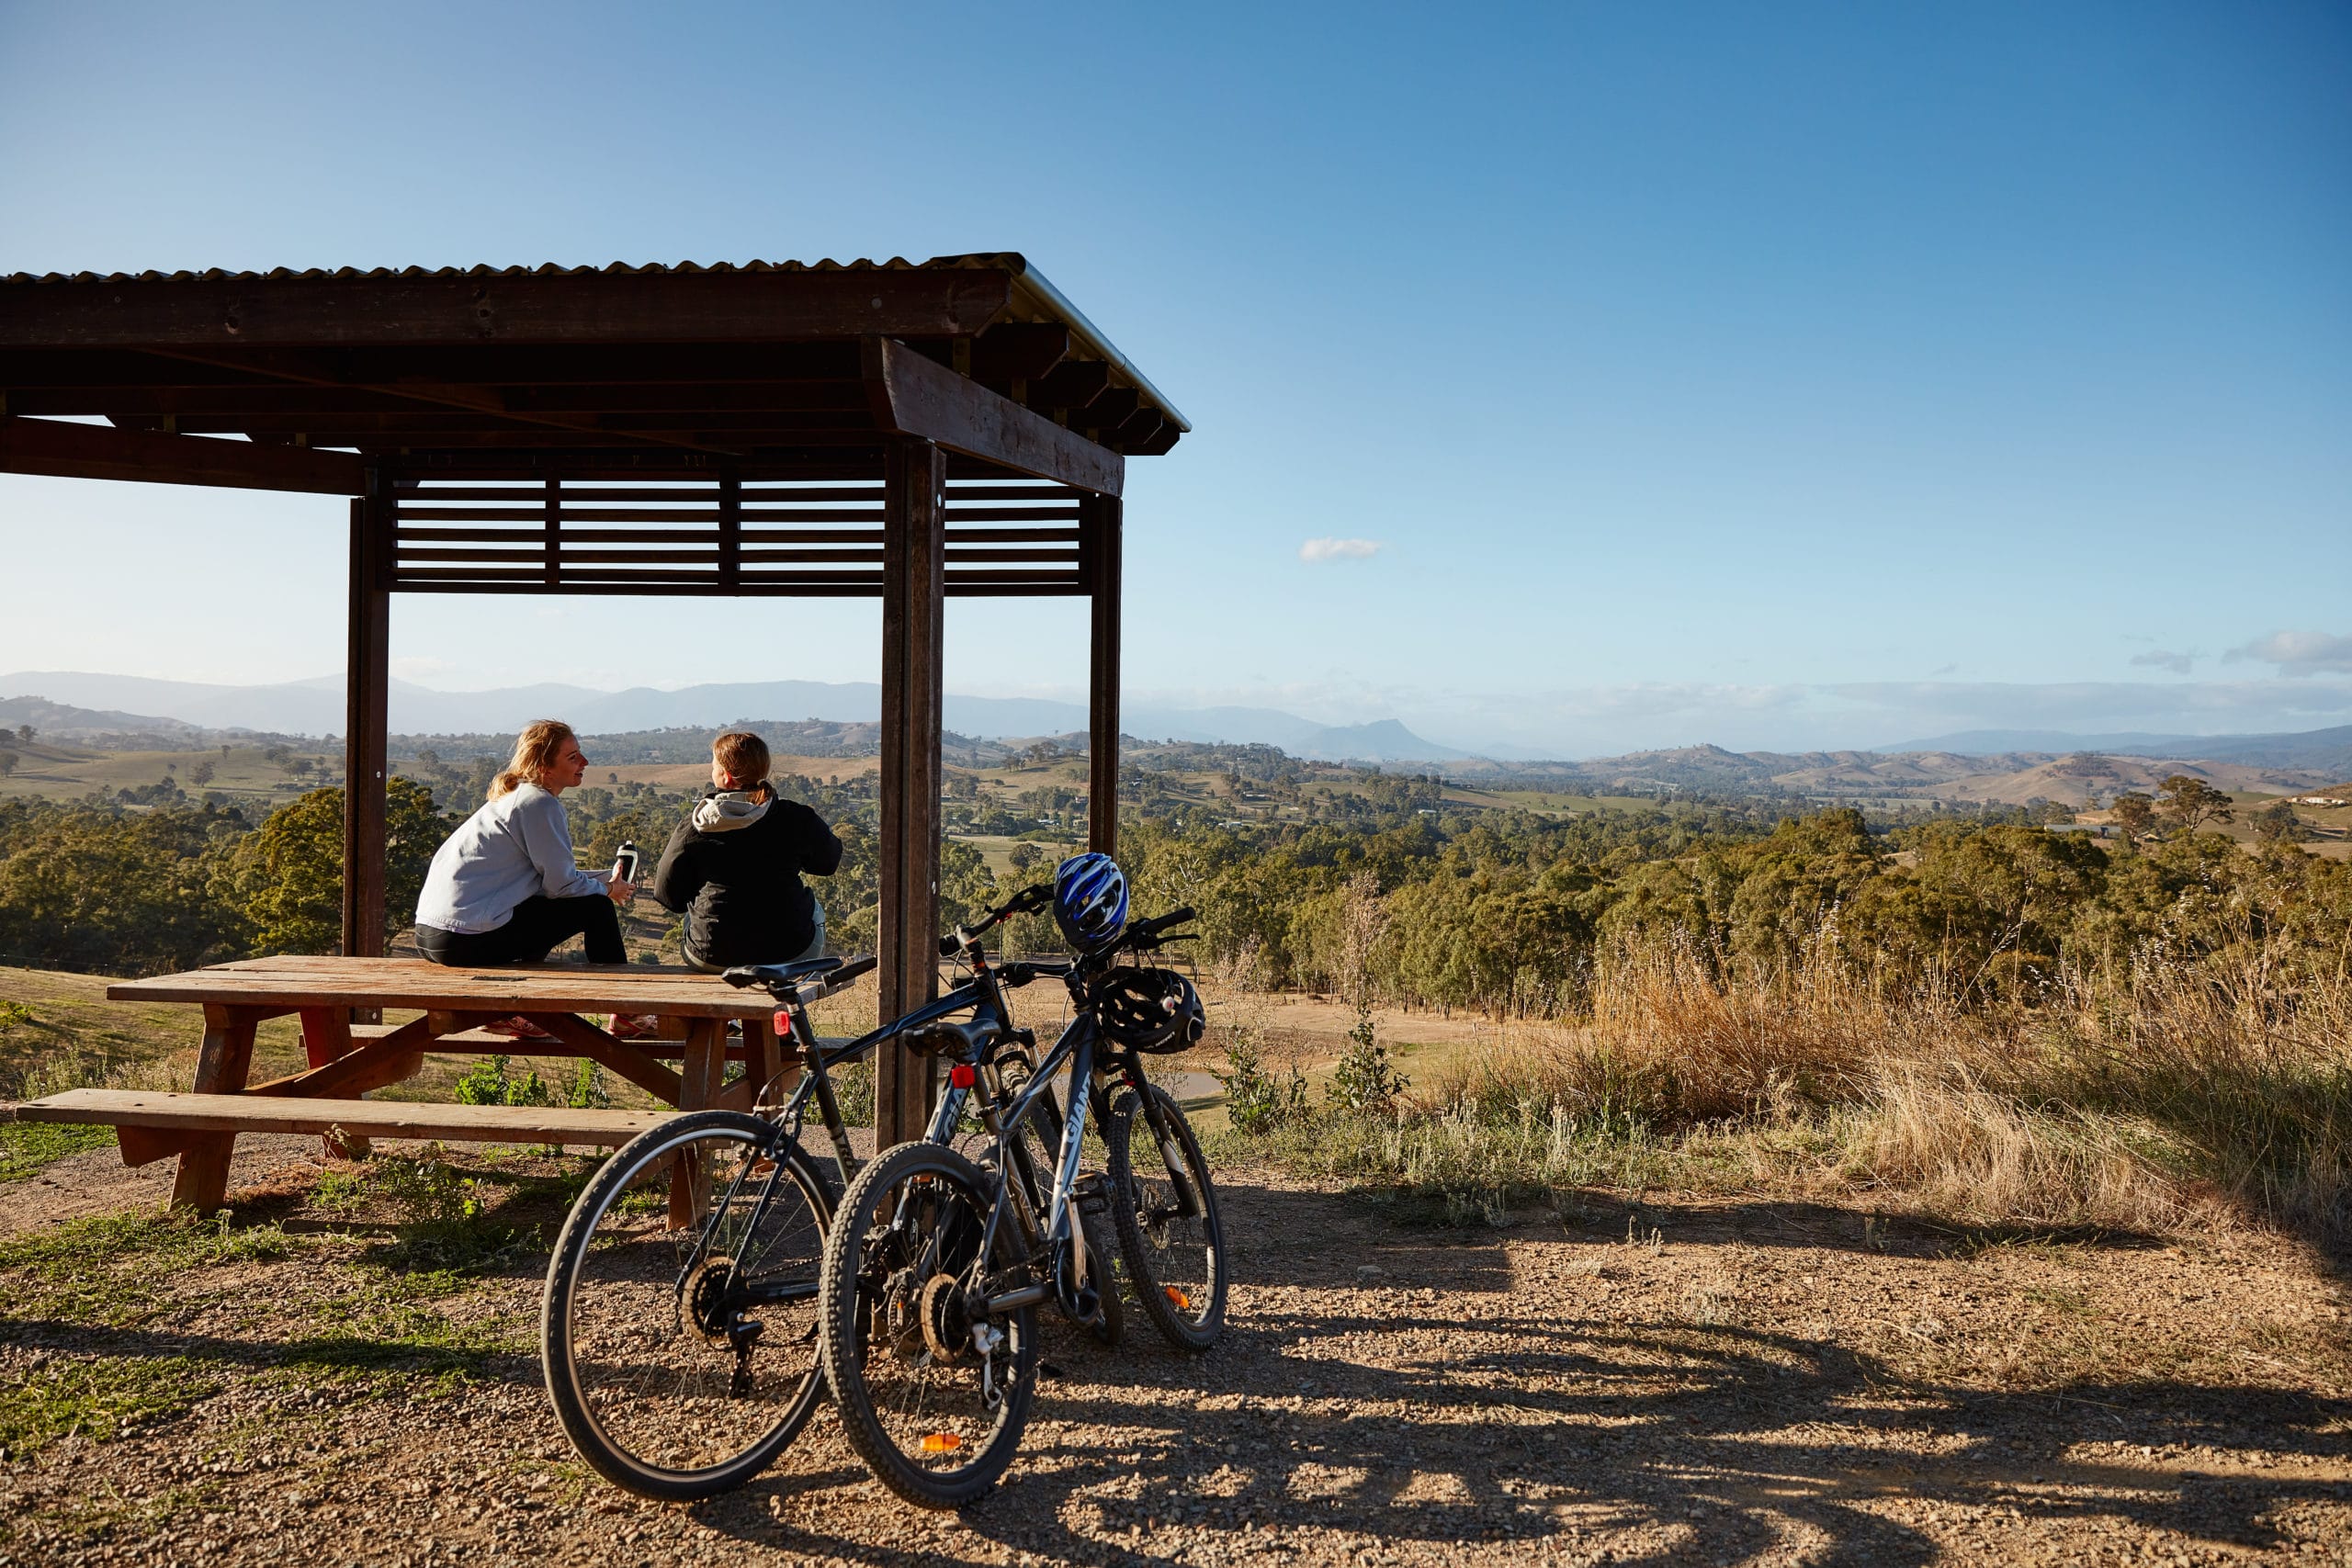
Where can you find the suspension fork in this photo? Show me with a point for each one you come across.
(1172, 1152)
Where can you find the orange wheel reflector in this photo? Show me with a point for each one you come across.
(941, 1442)
(1177, 1298)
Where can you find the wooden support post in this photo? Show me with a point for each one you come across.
(326, 1037)
(701, 1071)
(1099, 524)
(914, 571)
(367, 675)
(222, 1067)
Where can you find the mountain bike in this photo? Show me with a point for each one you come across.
(677, 1329)
(937, 1261)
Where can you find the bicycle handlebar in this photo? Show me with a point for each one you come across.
(1142, 936)
(1027, 901)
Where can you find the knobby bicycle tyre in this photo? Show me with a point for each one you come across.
(888, 1304)
(645, 1379)
(1176, 1262)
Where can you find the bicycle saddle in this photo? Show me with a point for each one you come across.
(945, 1035)
(786, 974)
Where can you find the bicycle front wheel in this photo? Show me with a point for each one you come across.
(1164, 1205)
(933, 1390)
(678, 1329)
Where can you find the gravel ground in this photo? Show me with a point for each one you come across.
(1677, 1382)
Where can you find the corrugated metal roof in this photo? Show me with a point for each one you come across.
(1006, 261)
(1049, 299)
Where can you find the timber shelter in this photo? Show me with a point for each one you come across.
(906, 431)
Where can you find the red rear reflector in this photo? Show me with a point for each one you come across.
(783, 1023)
(963, 1076)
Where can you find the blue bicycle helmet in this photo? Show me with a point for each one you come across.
(1090, 900)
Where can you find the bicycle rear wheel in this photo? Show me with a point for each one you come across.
(931, 1396)
(678, 1326)
(1164, 1203)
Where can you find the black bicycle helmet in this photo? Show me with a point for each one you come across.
(1148, 1010)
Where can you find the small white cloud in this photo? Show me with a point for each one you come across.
(1316, 551)
(2298, 653)
(2164, 659)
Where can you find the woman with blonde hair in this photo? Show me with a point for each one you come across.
(506, 887)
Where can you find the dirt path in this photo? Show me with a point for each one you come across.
(1678, 1383)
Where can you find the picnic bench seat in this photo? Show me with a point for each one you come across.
(482, 1043)
(704, 1026)
(148, 1117)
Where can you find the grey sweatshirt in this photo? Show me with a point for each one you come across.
(515, 847)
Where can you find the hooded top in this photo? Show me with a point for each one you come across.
(735, 863)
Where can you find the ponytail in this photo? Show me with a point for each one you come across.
(535, 750)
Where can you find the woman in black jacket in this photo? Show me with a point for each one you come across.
(733, 868)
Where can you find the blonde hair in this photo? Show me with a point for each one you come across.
(536, 749)
(745, 756)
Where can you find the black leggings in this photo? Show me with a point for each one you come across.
(533, 931)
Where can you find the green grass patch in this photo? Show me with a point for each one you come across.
(382, 1334)
(27, 1146)
(99, 1398)
(109, 1269)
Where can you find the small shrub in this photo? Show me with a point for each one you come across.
(588, 1091)
(1365, 1078)
(1255, 1100)
(487, 1082)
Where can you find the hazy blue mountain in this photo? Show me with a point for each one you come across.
(2321, 751)
(314, 707)
(1992, 742)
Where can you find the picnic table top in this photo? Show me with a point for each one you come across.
(299, 981)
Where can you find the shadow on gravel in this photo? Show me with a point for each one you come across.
(1574, 1436)
(1582, 1436)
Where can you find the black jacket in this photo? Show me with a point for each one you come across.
(749, 905)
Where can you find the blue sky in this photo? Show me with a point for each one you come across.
(1787, 376)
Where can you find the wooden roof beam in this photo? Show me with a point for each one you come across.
(1070, 386)
(471, 399)
(1018, 351)
(94, 452)
(915, 397)
(476, 309)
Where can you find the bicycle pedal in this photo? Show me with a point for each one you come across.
(1094, 1193)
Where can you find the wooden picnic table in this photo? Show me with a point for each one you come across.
(349, 1059)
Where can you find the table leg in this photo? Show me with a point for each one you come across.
(222, 1067)
(700, 1076)
(326, 1035)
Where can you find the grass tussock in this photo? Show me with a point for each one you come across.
(2139, 1101)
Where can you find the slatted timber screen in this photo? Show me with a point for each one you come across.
(727, 535)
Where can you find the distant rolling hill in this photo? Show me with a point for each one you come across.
(2325, 751)
(2016, 778)
(315, 707)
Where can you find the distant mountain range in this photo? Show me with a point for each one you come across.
(2319, 750)
(69, 705)
(75, 704)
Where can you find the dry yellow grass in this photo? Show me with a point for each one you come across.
(2174, 1095)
